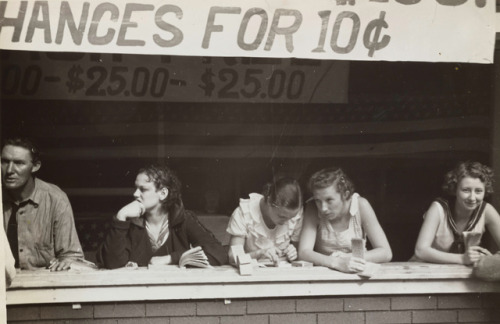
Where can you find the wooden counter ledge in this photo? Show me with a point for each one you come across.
(171, 282)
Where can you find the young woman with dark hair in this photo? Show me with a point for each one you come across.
(268, 224)
(155, 228)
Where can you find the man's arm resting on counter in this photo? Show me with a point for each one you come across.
(488, 268)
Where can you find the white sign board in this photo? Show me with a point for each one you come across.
(392, 30)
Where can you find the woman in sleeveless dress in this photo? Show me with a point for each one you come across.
(441, 238)
(332, 218)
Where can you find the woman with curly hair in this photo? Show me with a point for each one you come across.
(155, 228)
(333, 217)
(441, 238)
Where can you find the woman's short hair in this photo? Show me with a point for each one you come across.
(164, 177)
(332, 176)
(474, 170)
(284, 192)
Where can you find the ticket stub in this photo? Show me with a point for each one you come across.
(358, 247)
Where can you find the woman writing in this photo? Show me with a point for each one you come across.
(441, 238)
(155, 228)
(268, 225)
(334, 216)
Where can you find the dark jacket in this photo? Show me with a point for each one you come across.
(129, 241)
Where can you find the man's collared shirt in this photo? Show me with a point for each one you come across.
(45, 226)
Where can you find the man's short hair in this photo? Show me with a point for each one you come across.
(25, 143)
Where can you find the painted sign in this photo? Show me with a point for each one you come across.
(117, 77)
(392, 30)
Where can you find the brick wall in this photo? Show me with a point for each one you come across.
(461, 308)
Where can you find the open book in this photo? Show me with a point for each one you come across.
(194, 257)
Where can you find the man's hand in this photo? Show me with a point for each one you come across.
(60, 265)
(133, 210)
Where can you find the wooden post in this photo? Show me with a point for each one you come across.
(495, 131)
(3, 288)
(495, 140)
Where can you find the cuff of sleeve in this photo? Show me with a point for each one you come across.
(116, 223)
(175, 257)
(232, 232)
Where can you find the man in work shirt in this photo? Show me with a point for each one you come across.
(38, 217)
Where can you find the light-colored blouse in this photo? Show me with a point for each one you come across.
(247, 221)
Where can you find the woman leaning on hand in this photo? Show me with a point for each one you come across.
(155, 228)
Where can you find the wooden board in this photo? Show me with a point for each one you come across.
(171, 282)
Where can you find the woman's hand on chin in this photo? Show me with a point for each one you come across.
(133, 210)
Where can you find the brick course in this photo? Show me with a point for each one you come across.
(93, 321)
(66, 312)
(292, 318)
(435, 316)
(388, 317)
(37, 322)
(269, 306)
(143, 320)
(120, 310)
(478, 315)
(170, 309)
(320, 305)
(220, 308)
(449, 308)
(245, 319)
(490, 300)
(344, 318)
(194, 320)
(413, 302)
(458, 302)
(367, 303)
(23, 312)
